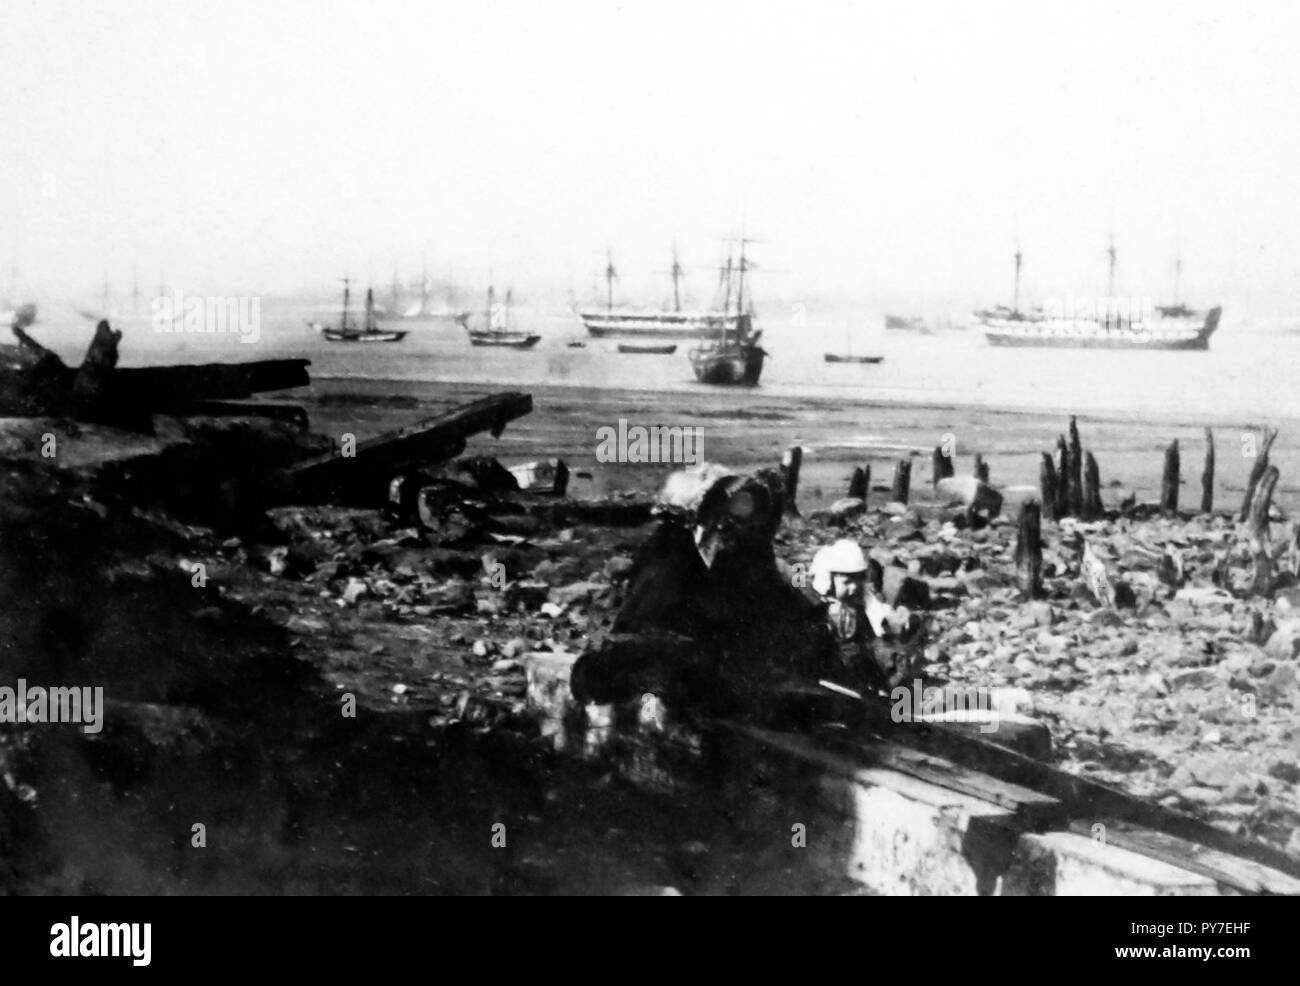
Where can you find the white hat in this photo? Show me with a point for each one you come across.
(844, 557)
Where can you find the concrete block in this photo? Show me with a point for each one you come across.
(1064, 864)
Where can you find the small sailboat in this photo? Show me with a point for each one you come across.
(348, 332)
(848, 356)
(498, 331)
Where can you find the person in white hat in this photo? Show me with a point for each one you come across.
(872, 652)
(839, 575)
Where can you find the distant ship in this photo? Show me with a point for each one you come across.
(347, 331)
(906, 323)
(647, 349)
(736, 357)
(426, 309)
(497, 330)
(848, 355)
(675, 324)
(1114, 326)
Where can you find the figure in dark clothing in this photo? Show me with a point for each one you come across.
(709, 616)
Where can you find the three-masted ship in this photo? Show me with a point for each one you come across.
(1113, 325)
(736, 356)
(675, 324)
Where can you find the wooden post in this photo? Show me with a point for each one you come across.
(981, 468)
(1207, 476)
(1259, 536)
(1029, 550)
(860, 484)
(790, 463)
(942, 464)
(1257, 472)
(1169, 482)
(1076, 470)
(1092, 508)
(902, 480)
(1062, 478)
(1047, 486)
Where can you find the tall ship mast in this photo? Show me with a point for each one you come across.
(1114, 324)
(736, 356)
(612, 322)
(497, 326)
(347, 330)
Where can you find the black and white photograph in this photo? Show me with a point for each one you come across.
(650, 449)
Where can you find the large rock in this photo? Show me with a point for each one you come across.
(1284, 644)
(968, 492)
(846, 509)
(900, 589)
(686, 487)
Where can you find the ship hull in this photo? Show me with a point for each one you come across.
(503, 340)
(659, 325)
(738, 366)
(1180, 334)
(337, 335)
(636, 350)
(839, 358)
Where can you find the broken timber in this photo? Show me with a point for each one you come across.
(362, 477)
(911, 807)
(39, 384)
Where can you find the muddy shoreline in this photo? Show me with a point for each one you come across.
(230, 695)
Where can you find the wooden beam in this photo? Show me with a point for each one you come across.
(362, 477)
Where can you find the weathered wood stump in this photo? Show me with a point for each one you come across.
(1062, 478)
(860, 484)
(790, 463)
(1047, 486)
(1260, 542)
(1169, 481)
(1207, 475)
(902, 481)
(1092, 508)
(942, 464)
(1076, 469)
(1029, 550)
(1257, 471)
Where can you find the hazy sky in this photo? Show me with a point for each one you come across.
(891, 152)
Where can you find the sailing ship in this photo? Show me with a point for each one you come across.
(348, 332)
(426, 308)
(1114, 326)
(498, 331)
(736, 357)
(848, 355)
(675, 324)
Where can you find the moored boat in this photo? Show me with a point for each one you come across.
(647, 350)
(849, 358)
(498, 331)
(674, 324)
(349, 332)
(1115, 323)
(736, 359)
